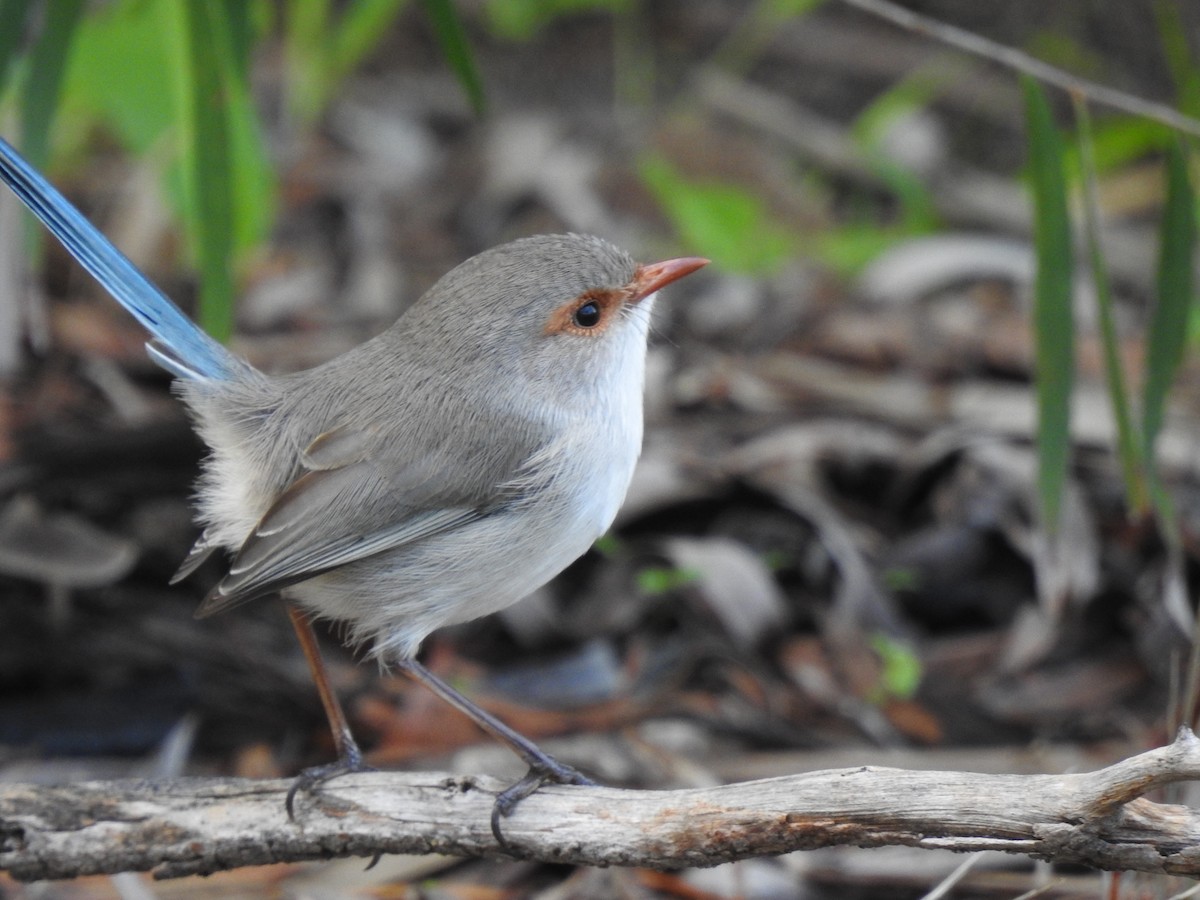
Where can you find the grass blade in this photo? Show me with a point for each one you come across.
(359, 31)
(1169, 324)
(1053, 323)
(453, 40)
(206, 151)
(1129, 447)
(46, 66)
(13, 14)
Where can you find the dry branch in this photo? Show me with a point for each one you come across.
(203, 825)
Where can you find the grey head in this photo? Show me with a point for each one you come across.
(551, 308)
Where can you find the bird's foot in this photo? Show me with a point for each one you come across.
(306, 781)
(545, 770)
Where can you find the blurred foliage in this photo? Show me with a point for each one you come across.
(1166, 339)
(521, 20)
(212, 84)
(46, 63)
(1053, 320)
(755, 31)
(1120, 141)
(1175, 299)
(901, 669)
(1185, 70)
(171, 82)
(323, 43)
(448, 29)
(654, 581)
(730, 225)
(1129, 446)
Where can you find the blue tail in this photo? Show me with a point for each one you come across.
(179, 345)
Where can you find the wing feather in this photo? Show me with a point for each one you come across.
(338, 514)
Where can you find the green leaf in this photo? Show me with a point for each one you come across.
(13, 14)
(1129, 447)
(208, 71)
(1052, 316)
(729, 225)
(782, 10)
(653, 581)
(46, 66)
(848, 248)
(1168, 326)
(520, 20)
(122, 71)
(1118, 141)
(455, 47)
(607, 545)
(754, 31)
(901, 675)
(359, 31)
(322, 48)
(128, 70)
(902, 578)
(1173, 32)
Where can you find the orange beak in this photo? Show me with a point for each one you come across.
(649, 278)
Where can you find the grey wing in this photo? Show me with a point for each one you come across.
(335, 514)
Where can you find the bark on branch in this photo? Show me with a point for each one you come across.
(196, 825)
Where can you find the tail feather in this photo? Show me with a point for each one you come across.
(180, 345)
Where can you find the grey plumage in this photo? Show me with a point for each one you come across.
(445, 468)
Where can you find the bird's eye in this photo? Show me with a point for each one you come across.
(587, 315)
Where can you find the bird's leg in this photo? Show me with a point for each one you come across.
(350, 757)
(543, 768)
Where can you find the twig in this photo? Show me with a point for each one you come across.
(1023, 62)
(198, 825)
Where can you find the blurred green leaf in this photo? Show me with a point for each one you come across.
(208, 73)
(127, 71)
(121, 72)
(753, 32)
(46, 66)
(520, 20)
(848, 248)
(728, 224)
(901, 675)
(1052, 316)
(653, 581)
(782, 10)
(323, 46)
(902, 578)
(1173, 32)
(13, 14)
(457, 50)
(1129, 447)
(1120, 140)
(1066, 52)
(363, 24)
(1169, 325)
(607, 545)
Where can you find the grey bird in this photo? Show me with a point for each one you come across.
(438, 472)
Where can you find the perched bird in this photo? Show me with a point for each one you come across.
(441, 471)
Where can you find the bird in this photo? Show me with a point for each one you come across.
(436, 473)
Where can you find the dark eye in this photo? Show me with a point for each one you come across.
(588, 315)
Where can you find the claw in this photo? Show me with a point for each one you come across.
(547, 770)
(311, 778)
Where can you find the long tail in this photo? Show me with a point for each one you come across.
(179, 345)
